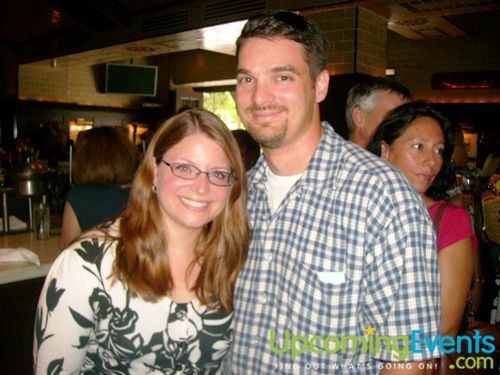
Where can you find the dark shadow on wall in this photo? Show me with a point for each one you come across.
(332, 109)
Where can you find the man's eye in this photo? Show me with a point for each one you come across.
(284, 78)
(244, 80)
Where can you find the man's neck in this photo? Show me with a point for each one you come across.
(294, 158)
(357, 138)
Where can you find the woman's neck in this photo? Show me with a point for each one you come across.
(181, 254)
(428, 201)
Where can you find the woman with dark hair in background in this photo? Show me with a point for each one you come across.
(153, 291)
(103, 167)
(418, 140)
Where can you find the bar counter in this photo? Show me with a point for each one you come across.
(47, 250)
(20, 286)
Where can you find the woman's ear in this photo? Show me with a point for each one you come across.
(385, 150)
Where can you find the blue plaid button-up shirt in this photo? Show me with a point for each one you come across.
(349, 255)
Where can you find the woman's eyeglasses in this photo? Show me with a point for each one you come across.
(190, 172)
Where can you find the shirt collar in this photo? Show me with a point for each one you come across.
(321, 167)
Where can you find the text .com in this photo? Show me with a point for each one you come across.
(472, 351)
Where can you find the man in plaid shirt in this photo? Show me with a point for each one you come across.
(343, 249)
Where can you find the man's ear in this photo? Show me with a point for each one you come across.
(321, 85)
(358, 117)
(385, 150)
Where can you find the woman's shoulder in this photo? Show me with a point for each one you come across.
(449, 209)
(455, 212)
(452, 215)
(93, 253)
(91, 247)
(455, 224)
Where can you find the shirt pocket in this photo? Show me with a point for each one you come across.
(324, 299)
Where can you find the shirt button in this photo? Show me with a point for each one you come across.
(268, 257)
(254, 341)
(263, 298)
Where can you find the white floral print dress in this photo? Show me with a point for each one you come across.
(86, 324)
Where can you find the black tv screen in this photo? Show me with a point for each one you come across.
(131, 79)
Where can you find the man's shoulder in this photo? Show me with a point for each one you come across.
(356, 171)
(346, 155)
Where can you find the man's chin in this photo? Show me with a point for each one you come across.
(270, 143)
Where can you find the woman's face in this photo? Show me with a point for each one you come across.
(187, 205)
(418, 152)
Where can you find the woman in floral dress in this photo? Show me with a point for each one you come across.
(151, 293)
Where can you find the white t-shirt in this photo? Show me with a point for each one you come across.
(278, 187)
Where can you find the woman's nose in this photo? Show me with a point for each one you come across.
(431, 158)
(201, 183)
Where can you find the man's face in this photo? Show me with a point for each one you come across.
(275, 95)
(383, 102)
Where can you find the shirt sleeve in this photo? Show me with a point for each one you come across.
(455, 225)
(403, 285)
(64, 318)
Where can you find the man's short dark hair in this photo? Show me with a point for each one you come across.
(291, 26)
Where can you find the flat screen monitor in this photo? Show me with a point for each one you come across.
(131, 79)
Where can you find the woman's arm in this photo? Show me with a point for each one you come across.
(456, 266)
(70, 227)
(477, 283)
(64, 319)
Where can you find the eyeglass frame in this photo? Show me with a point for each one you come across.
(231, 176)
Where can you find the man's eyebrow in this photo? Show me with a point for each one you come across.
(286, 68)
(242, 71)
(278, 69)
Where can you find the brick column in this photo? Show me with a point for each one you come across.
(8, 73)
(358, 39)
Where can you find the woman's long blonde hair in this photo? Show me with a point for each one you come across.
(141, 259)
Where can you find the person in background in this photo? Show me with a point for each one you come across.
(52, 142)
(341, 243)
(419, 141)
(492, 164)
(249, 148)
(153, 291)
(459, 160)
(367, 104)
(459, 173)
(23, 151)
(103, 166)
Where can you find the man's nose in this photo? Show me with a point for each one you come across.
(262, 93)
